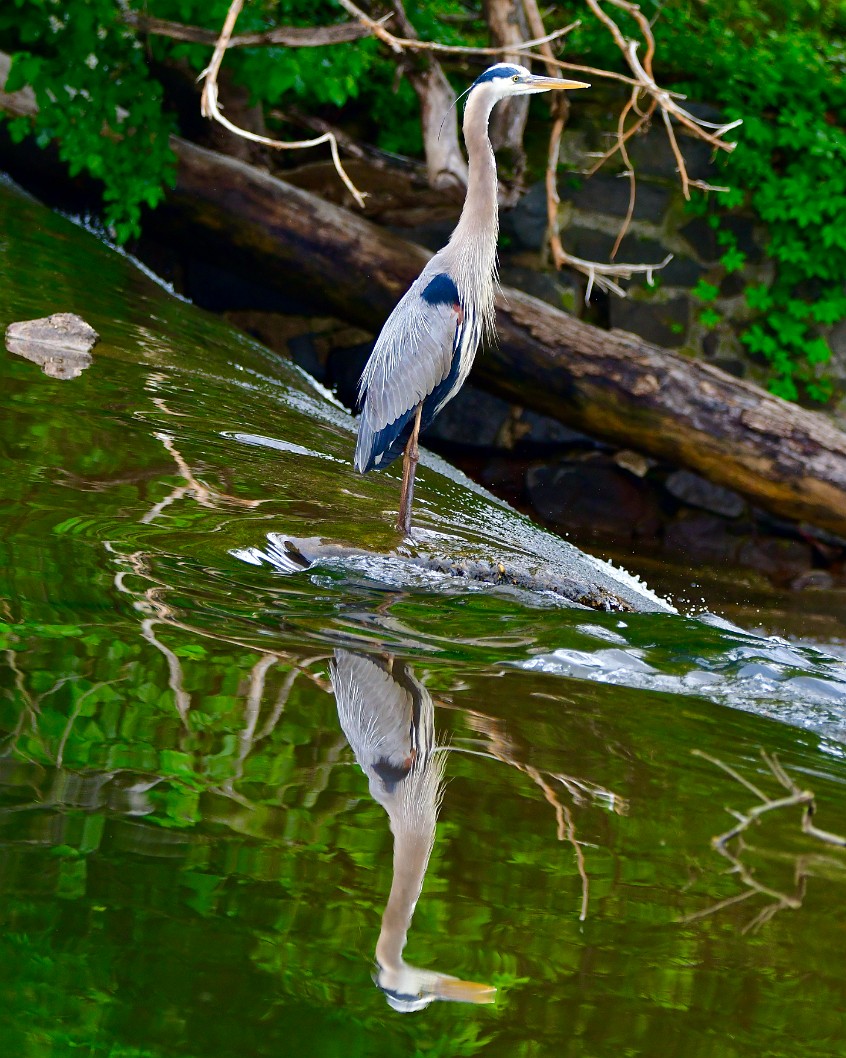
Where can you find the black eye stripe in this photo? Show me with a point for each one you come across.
(496, 72)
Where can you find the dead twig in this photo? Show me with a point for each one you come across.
(210, 108)
(604, 276)
(374, 156)
(643, 84)
(659, 98)
(401, 44)
(287, 36)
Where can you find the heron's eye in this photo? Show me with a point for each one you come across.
(516, 77)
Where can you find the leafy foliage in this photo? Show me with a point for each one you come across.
(96, 98)
(100, 102)
(780, 71)
(778, 65)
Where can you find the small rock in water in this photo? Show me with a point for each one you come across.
(692, 489)
(59, 344)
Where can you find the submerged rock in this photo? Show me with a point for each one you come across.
(60, 344)
(694, 490)
(572, 587)
(595, 496)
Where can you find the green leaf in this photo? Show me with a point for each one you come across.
(818, 351)
(733, 259)
(705, 291)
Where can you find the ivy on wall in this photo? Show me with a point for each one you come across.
(781, 68)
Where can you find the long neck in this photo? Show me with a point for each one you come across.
(411, 857)
(471, 253)
(478, 225)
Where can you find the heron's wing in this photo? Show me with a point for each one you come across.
(388, 717)
(376, 711)
(413, 355)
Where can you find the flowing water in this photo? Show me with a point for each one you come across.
(220, 773)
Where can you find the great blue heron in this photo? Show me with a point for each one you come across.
(428, 343)
(388, 717)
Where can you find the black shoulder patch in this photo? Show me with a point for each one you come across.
(441, 291)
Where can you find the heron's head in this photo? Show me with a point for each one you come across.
(507, 79)
(408, 988)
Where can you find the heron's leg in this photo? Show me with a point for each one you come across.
(409, 466)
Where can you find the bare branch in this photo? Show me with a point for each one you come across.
(210, 109)
(643, 84)
(401, 44)
(374, 156)
(533, 17)
(602, 275)
(620, 141)
(629, 168)
(287, 36)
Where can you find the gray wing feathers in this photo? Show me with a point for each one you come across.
(375, 711)
(412, 355)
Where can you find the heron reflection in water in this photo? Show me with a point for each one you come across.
(389, 719)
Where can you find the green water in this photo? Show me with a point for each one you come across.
(191, 862)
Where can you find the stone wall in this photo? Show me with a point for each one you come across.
(591, 213)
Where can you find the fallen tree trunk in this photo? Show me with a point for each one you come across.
(610, 384)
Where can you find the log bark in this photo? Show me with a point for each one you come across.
(610, 384)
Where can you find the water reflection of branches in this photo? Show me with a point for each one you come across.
(732, 845)
(498, 746)
(152, 603)
(28, 715)
(194, 488)
(32, 708)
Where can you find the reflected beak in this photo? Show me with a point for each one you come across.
(545, 84)
(455, 991)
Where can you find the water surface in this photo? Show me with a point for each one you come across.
(194, 863)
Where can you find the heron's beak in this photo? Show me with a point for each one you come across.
(545, 84)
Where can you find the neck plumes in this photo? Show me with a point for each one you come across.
(472, 246)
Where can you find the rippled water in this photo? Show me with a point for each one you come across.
(208, 851)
